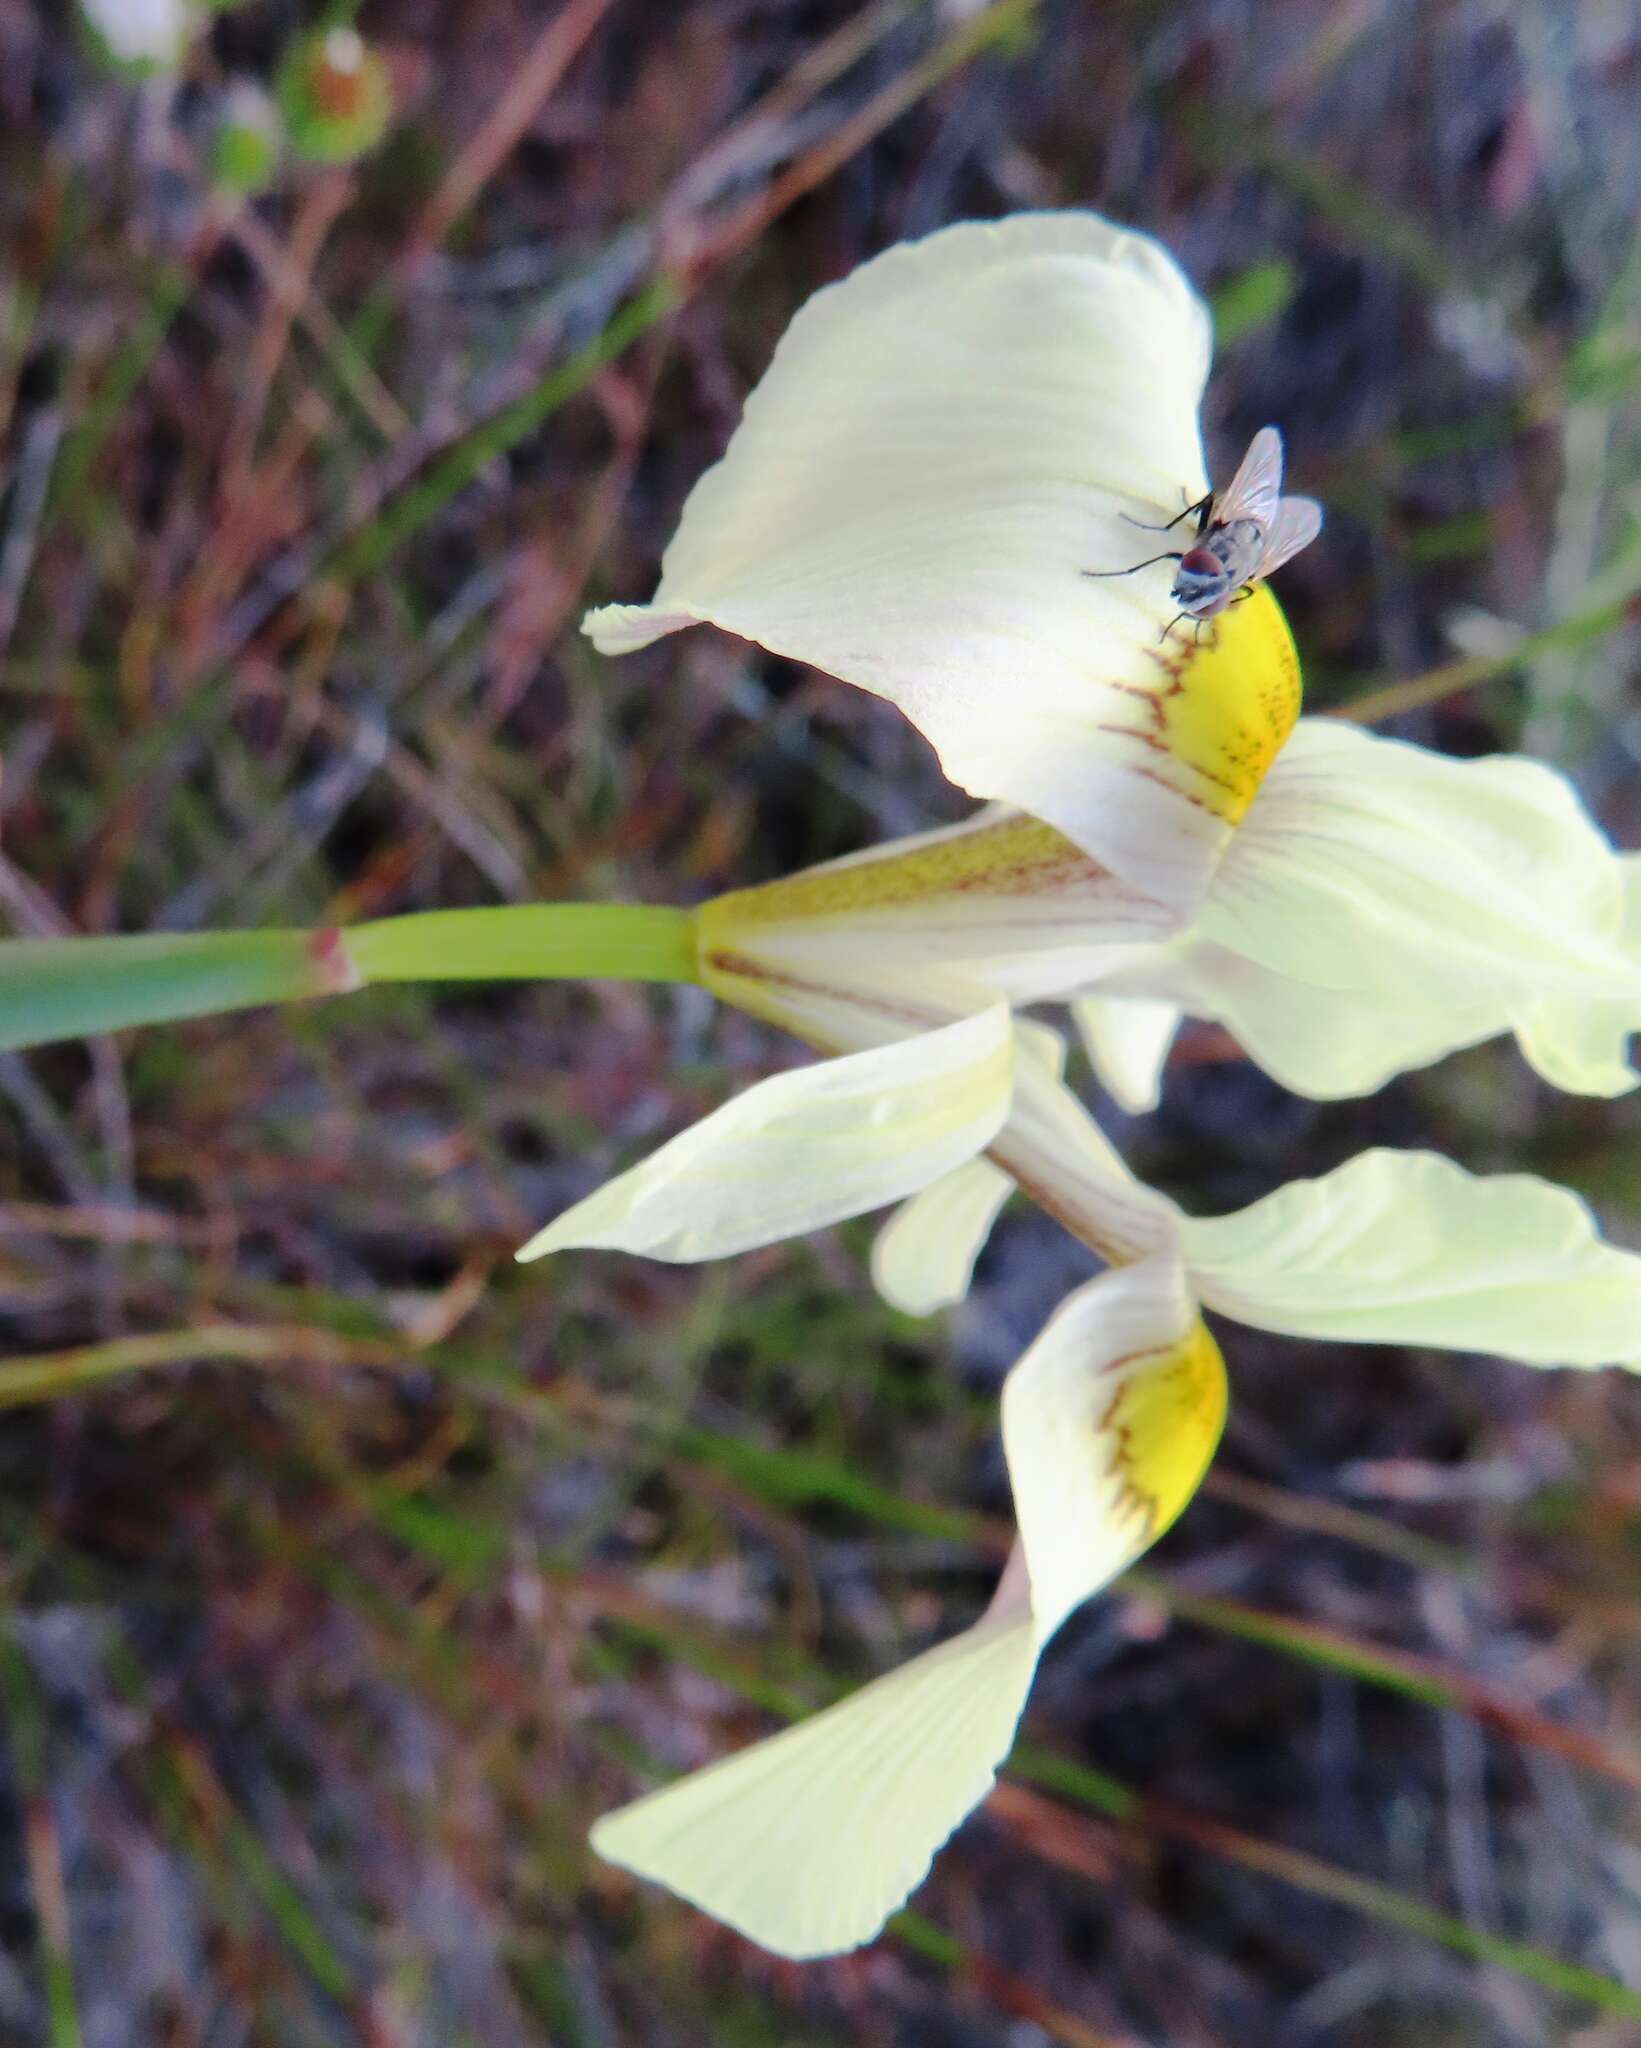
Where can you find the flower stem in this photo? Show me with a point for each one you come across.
(73, 988)
(528, 942)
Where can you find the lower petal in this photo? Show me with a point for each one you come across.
(807, 1148)
(1326, 1043)
(1583, 1046)
(807, 1842)
(923, 1257)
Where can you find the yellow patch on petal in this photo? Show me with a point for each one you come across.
(1164, 1424)
(1226, 697)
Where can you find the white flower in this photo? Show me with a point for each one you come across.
(142, 31)
(943, 444)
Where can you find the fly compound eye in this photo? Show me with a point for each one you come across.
(1199, 562)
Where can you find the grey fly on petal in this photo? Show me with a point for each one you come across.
(1249, 530)
(1243, 533)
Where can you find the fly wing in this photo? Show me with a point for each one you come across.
(1297, 523)
(1253, 492)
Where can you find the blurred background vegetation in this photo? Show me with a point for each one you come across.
(347, 1571)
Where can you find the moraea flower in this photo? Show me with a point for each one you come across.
(943, 444)
(807, 1841)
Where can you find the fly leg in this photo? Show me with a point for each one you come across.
(1171, 556)
(1199, 511)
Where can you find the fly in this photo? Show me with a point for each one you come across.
(1243, 533)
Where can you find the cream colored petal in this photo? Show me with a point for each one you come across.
(808, 1841)
(1109, 1422)
(943, 445)
(1407, 1248)
(1487, 861)
(1127, 1040)
(1001, 900)
(1585, 1047)
(1414, 887)
(1055, 1152)
(1321, 1042)
(923, 1257)
(806, 1148)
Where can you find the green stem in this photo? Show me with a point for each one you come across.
(73, 988)
(528, 942)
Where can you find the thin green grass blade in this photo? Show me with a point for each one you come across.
(25, 1714)
(49, 1375)
(405, 515)
(1374, 706)
(168, 292)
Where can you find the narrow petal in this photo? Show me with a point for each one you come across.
(1407, 1248)
(807, 1842)
(807, 1148)
(943, 445)
(1054, 1152)
(1109, 1422)
(1127, 1040)
(1376, 878)
(923, 1257)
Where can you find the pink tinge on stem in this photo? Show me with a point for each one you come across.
(334, 971)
